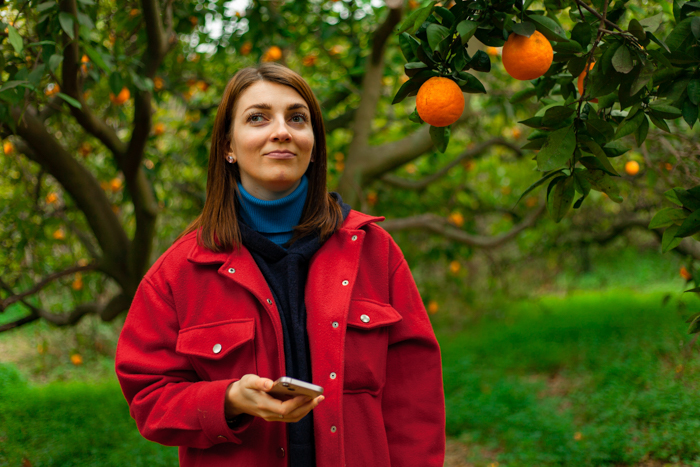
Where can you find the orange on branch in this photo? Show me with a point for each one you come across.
(581, 78)
(527, 58)
(246, 48)
(51, 89)
(134, 12)
(59, 234)
(272, 54)
(457, 219)
(158, 83)
(159, 129)
(51, 198)
(8, 148)
(309, 60)
(76, 359)
(120, 98)
(115, 185)
(493, 51)
(433, 307)
(372, 198)
(439, 102)
(685, 274)
(455, 267)
(632, 167)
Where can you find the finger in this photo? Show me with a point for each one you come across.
(300, 412)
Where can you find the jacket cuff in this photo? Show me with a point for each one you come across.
(210, 410)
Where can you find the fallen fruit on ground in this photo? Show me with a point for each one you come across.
(526, 58)
(439, 102)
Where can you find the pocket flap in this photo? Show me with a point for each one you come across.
(365, 314)
(214, 340)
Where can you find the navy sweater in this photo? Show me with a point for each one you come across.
(285, 271)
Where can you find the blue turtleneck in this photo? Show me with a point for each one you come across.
(275, 219)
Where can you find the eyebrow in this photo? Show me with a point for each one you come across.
(269, 107)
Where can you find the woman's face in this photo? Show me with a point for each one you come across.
(272, 139)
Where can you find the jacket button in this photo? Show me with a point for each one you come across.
(333, 375)
(280, 453)
(345, 282)
(364, 318)
(354, 237)
(231, 270)
(333, 429)
(217, 348)
(269, 302)
(335, 324)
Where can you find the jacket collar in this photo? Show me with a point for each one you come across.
(200, 255)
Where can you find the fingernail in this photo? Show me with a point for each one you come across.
(268, 384)
(321, 398)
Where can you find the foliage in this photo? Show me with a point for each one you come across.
(639, 78)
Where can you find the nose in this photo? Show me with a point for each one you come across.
(281, 132)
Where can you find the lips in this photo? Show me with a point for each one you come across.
(280, 155)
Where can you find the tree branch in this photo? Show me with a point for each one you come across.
(40, 285)
(441, 226)
(592, 11)
(468, 154)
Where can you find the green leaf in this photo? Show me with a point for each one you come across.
(645, 75)
(405, 89)
(688, 198)
(581, 184)
(549, 28)
(615, 149)
(690, 113)
(597, 151)
(627, 127)
(415, 19)
(695, 27)
(600, 181)
(480, 62)
(560, 198)
(659, 42)
(679, 35)
(534, 122)
(54, 61)
(672, 196)
(637, 30)
(652, 23)
(15, 39)
(554, 116)
(405, 42)
(622, 60)
(642, 131)
(666, 111)
(523, 95)
(466, 29)
(600, 130)
(97, 59)
(436, 34)
(539, 182)
(70, 100)
(440, 137)
(669, 240)
(667, 217)
(13, 84)
(412, 68)
(659, 123)
(525, 28)
(583, 34)
(690, 226)
(470, 83)
(558, 149)
(414, 117)
(67, 23)
(116, 82)
(694, 91)
(42, 7)
(694, 326)
(568, 47)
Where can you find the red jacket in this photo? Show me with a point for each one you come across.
(372, 349)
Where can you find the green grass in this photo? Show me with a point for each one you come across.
(612, 367)
(71, 424)
(521, 383)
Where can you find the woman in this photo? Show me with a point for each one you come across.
(277, 277)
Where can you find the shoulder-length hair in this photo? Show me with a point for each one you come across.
(217, 225)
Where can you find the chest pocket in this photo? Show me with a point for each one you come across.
(366, 345)
(221, 350)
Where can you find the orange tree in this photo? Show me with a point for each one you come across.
(640, 79)
(106, 111)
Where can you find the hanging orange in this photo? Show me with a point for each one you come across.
(439, 102)
(526, 58)
(582, 77)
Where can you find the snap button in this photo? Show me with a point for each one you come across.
(231, 270)
(333, 429)
(354, 237)
(333, 375)
(280, 453)
(217, 348)
(269, 302)
(335, 324)
(221, 437)
(364, 318)
(345, 282)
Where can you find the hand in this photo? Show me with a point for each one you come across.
(249, 395)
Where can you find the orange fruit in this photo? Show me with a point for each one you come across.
(412, 4)
(493, 51)
(517, 133)
(372, 198)
(582, 77)
(202, 85)
(85, 149)
(272, 54)
(120, 98)
(578, 436)
(309, 60)
(78, 282)
(527, 58)
(246, 48)
(194, 20)
(8, 148)
(51, 198)
(433, 307)
(134, 12)
(457, 219)
(632, 167)
(115, 185)
(159, 129)
(158, 83)
(51, 89)
(439, 102)
(339, 156)
(685, 274)
(411, 168)
(76, 359)
(455, 267)
(336, 50)
(59, 234)
(531, 202)
(340, 166)
(668, 166)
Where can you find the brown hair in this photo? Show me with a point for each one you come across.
(217, 225)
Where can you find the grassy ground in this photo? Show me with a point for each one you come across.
(587, 380)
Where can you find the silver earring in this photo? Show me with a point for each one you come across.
(229, 159)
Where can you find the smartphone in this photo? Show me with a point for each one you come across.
(286, 388)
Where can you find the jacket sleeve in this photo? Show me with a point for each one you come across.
(168, 401)
(413, 402)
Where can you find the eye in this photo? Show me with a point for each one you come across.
(252, 117)
(300, 118)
